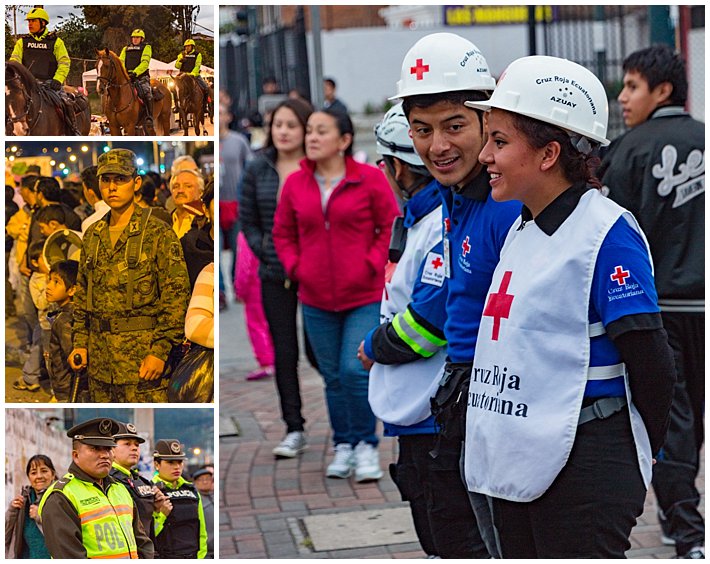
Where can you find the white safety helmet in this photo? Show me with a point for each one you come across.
(393, 139)
(554, 91)
(443, 62)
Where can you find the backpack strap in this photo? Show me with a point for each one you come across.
(134, 249)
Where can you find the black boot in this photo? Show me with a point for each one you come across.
(149, 116)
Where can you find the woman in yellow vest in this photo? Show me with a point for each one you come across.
(88, 514)
(182, 534)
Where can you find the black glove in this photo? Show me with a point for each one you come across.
(132, 75)
(55, 85)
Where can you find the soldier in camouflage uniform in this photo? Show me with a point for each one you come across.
(132, 292)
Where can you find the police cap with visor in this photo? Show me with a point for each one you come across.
(128, 431)
(95, 432)
(168, 449)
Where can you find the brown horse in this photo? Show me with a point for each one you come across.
(161, 108)
(121, 104)
(31, 109)
(188, 99)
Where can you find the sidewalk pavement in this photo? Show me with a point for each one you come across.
(267, 507)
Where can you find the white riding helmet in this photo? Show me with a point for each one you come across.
(443, 62)
(554, 91)
(393, 138)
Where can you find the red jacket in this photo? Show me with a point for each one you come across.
(338, 256)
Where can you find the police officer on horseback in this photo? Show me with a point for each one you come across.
(189, 61)
(44, 54)
(136, 58)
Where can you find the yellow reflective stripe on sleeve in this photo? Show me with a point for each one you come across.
(419, 339)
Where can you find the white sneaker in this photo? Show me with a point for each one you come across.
(343, 462)
(292, 445)
(367, 463)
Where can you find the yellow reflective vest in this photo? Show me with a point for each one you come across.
(106, 518)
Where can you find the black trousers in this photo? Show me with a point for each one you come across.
(443, 518)
(590, 508)
(677, 465)
(280, 307)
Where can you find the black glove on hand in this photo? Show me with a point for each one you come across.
(55, 85)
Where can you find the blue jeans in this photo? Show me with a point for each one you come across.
(335, 338)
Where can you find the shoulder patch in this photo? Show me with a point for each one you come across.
(433, 272)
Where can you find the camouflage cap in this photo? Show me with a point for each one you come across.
(117, 161)
(168, 449)
(96, 432)
(128, 431)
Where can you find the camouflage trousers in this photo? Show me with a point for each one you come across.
(147, 391)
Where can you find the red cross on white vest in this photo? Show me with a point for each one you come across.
(499, 304)
(420, 69)
(620, 275)
(437, 262)
(465, 247)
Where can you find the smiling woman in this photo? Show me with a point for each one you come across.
(23, 530)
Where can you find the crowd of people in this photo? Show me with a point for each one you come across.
(540, 294)
(103, 507)
(112, 281)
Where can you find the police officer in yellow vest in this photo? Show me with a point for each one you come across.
(183, 533)
(88, 514)
(46, 57)
(189, 61)
(136, 58)
(148, 498)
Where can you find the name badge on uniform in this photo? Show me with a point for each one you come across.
(447, 248)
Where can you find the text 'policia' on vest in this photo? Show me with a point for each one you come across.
(38, 55)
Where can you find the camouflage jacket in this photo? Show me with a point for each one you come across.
(160, 289)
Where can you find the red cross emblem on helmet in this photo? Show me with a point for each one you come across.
(419, 69)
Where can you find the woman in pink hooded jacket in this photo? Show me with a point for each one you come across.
(331, 232)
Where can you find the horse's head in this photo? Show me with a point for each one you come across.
(103, 69)
(17, 98)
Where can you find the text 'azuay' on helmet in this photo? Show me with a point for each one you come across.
(393, 138)
(443, 62)
(554, 91)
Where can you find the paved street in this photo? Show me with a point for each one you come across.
(268, 508)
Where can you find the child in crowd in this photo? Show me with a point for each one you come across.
(38, 287)
(60, 291)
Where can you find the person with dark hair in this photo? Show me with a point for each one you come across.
(23, 527)
(92, 195)
(330, 100)
(198, 242)
(11, 208)
(132, 293)
(270, 85)
(145, 198)
(415, 284)
(86, 512)
(447, 135)
(148, 498)
(331, 232)
(572, 377)
(182, 533)
(61, 286)
(657, 171)
(264, 177)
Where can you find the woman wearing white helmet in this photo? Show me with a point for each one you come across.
(572, 376)
(439, 73)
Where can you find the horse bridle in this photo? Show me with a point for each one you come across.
(110, 83)
(28, 105)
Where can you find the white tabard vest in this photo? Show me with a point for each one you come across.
(399, 393)
(532, 356)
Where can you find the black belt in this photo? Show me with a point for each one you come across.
(601, 409)
(135, 323)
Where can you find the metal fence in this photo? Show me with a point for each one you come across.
(281, 53)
